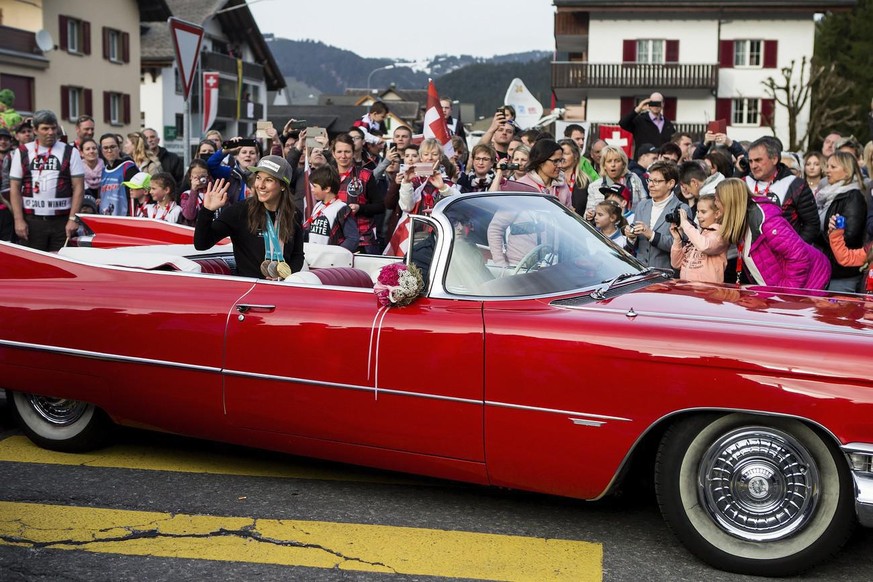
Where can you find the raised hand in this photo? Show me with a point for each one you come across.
(216, 195)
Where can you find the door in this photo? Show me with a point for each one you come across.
(330, 364)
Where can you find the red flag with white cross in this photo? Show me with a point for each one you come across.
(615, 136)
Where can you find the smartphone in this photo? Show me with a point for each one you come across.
(300, 124)
(717, 126)
(424, 169)
(262, 127)
(312, 133)
(245, 142)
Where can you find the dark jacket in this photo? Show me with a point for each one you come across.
(645, 130)
(798, 207)
(853, 207)
(172, 163)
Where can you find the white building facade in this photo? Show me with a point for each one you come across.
(708, 59)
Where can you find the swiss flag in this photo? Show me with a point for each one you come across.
(434, 122)
(210, 99)
(615, 136)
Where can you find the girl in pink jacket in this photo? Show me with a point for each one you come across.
(771, 252)
(703, 255)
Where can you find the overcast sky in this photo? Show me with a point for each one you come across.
(405, 29)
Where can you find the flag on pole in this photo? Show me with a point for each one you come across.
(210, 99)
(434, 122)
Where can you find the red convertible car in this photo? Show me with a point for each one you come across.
(538, 356)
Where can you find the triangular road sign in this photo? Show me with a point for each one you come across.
(186, 41)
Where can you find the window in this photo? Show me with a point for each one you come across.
(116, 46)
(650, 51)
(75, 35)
(116, 108)
(748, 53)
(76, 105)
(746, 112)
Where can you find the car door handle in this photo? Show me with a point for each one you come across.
(246, 307)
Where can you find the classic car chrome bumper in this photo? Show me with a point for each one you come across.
(860, 456)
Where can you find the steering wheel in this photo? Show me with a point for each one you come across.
(532, 258)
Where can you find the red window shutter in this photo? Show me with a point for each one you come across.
(89, 108)
(770, 53)
(726, 54)
(723, 110)
(767, 106)
(126, 105)
(672, 53)
(629, 51)
(65, 102)
(669, 110)
(62, 31)
(86, 37)
(627, 103)
(125, 47)
(105, 43)
(107, 107)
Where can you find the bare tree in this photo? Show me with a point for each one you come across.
(824, 86)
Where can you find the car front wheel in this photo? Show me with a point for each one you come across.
(754, 495)
(61, 424)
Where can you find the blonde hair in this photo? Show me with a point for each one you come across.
(849, 164)
(733, 196)
(867, 157)
(611, 150)
(430, 144)
(140, 154)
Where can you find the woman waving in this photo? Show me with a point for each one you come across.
(265, 229)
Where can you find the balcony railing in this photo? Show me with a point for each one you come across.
(634, 76)
(696, 130)
(19, 47)
(225, 64)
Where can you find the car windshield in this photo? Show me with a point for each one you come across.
(509, 245)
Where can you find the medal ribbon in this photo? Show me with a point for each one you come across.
(273, 250)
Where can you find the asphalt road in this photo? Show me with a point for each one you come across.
(440, 530)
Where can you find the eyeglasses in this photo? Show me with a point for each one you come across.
(555, 161)
(482, 159)
(654, 181)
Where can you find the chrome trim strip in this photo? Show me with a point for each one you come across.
(373, 389)
(709, 320)
(554, 411)
(858, 448)
(239, 373)
(583, 422)
(106, 357)
(863, 498)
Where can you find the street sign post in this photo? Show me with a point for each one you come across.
(187, 38)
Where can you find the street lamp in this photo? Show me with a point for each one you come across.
(370, 76)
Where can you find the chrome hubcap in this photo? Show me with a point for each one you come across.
(758, 484)
(58, 411)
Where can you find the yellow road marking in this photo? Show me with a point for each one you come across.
(316, 544)
(19, 449)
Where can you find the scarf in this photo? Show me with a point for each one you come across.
(93, 175)
(826, 195)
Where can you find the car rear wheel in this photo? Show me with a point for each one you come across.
(60, 424)
(752, 495)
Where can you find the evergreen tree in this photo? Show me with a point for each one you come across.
(845, 40)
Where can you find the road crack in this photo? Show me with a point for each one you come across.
(248, 532)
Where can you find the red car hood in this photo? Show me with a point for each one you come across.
(806, 311)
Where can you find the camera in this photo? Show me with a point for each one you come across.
(201, 180)
(743, 163)
(674, 217)
(654, 103)
(508, 167)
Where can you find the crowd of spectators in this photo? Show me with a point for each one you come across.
(712, 209)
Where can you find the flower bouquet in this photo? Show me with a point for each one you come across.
(398, 285)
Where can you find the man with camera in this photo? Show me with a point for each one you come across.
(647, 122)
